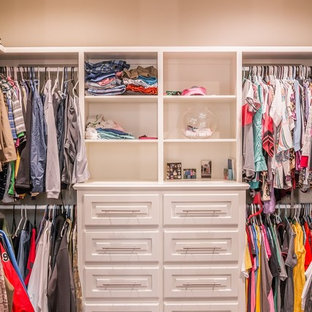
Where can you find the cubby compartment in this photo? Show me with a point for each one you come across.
(137, 115)
(122, 161)
(214, 71)
(190, 154)
(221, 115)
(133, 58)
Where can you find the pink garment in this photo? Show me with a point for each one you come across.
(266, 241)
(271, 301)
(106, 81)
(253, 277)
(194, 91)
(144, 137)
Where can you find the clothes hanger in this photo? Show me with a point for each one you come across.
(15, 73)
(56, 82)
(26, 219)
(38, 73)
(19, 224)
(75, 87)
(35, 217)
(13, 229)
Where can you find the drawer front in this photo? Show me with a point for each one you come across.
(202, 307)
(196, 245)
(200, 282)
(121, 209)
(122, 282)
(117, 307)
(123, 246)
(191, 209)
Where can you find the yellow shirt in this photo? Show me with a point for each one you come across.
(298, 272)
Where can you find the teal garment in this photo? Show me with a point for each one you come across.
(254, 185)
(260, 164)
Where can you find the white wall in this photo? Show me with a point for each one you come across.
(155, 22)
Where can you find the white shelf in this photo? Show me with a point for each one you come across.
(122, 98)
(199, 98)
(200, 141)
(121, 141)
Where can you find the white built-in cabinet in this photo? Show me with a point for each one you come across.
(146, 244)
(161, 247)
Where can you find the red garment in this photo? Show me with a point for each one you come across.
(140, 89)
(21, 302)
(267, 137)
(304, 161)
(31, 256)
(247, 115)
(307, 246)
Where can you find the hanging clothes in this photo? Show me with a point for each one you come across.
(52, 182)
(61, 290)
(38, 282)
(21, 300)
(41, 135)
(277, 122)
(276, 279)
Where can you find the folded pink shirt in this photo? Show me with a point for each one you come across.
(194, 91)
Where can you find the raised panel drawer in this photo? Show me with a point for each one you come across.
(202, 307)
(200, 282)
(121, 209)
(201, 245)
(122, 246)
(190, 209)
(117, 307)
(122, 282)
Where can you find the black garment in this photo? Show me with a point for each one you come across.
(290, 263)
(22, 182)
(70, 141)
(308, 304)
(59, 113)
(61, 290)
(16, 241)
(56, 238)
(3, 178)
(273, 261)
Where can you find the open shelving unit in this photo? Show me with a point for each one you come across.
(161, 115)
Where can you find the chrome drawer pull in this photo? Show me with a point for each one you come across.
(211, 249)
(121, 248)
(200, 285)
(203, 211)
(134, 211)
(107, 285)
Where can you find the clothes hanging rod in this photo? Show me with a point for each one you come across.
(275, 64)
(247, 66)
(44, 65)
(28, 207)
(287, 206)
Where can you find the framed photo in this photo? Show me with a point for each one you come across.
(174, 171)
(206, 169)
(189, 173)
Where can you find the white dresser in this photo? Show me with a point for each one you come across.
(172, 247)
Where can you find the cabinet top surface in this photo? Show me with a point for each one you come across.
(167, 185)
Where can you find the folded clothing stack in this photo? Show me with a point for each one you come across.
(104, 78)
(140, 80)
(100, 129)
